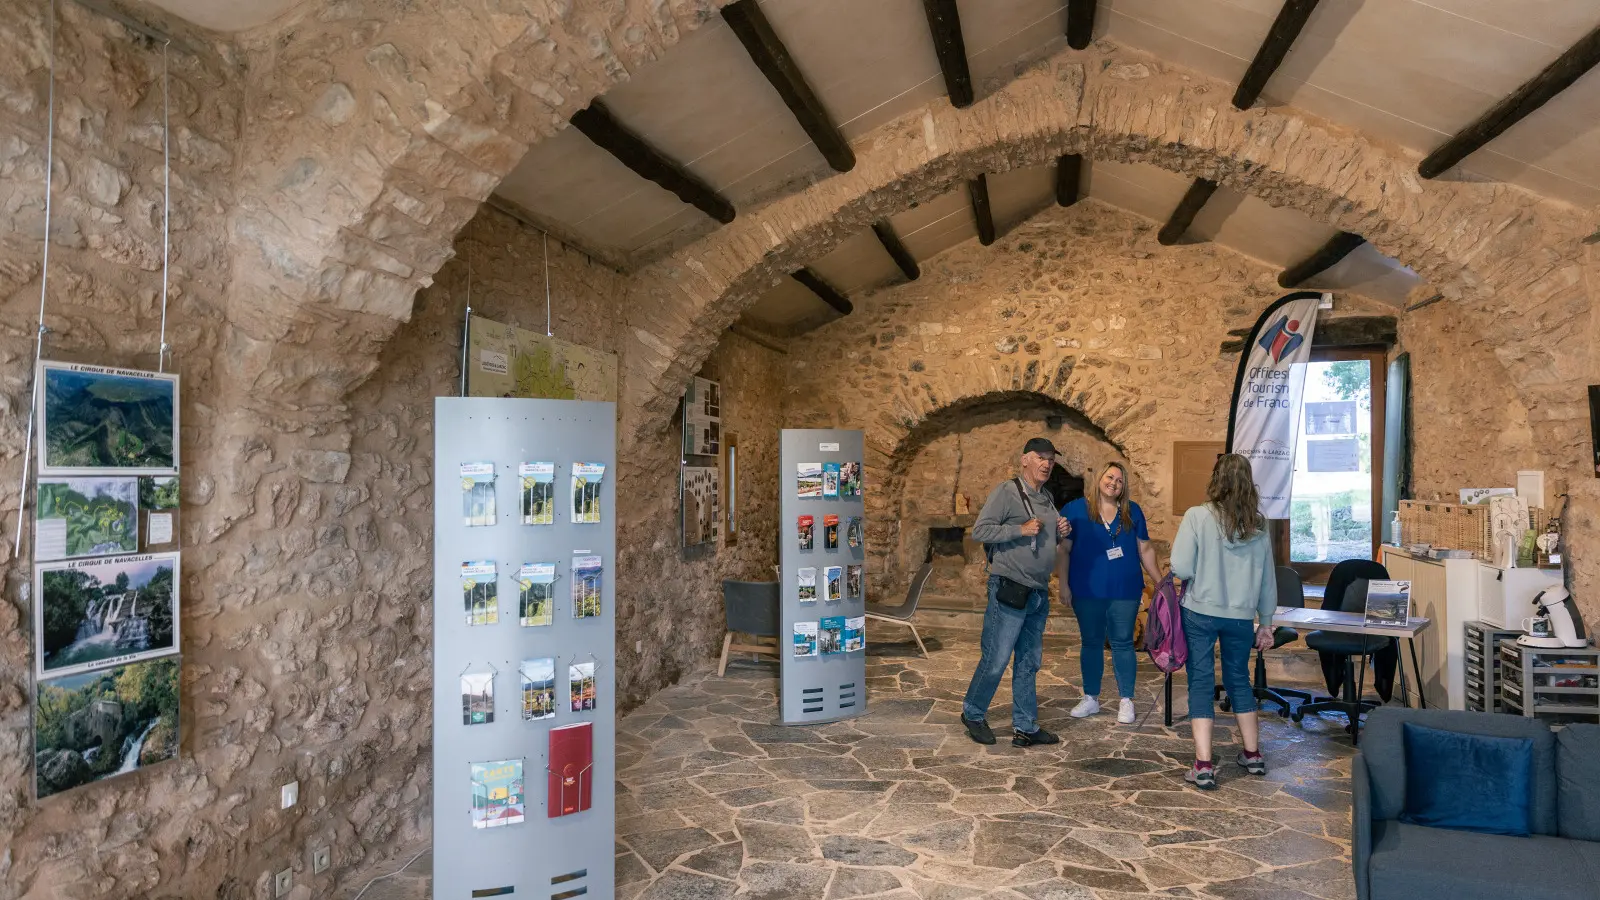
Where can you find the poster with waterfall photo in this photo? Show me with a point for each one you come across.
(94, 613)
(700, 505)
(104, 723)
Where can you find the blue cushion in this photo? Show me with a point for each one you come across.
(1468, 782)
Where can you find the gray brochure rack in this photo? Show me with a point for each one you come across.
(539, 857)
(829, 686)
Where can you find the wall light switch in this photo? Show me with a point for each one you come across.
(291, 794)
(321, 858)
(283, 883)
(638, 646)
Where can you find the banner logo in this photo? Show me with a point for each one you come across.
(1282, 339)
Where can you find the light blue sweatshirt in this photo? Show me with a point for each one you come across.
(1225, 578)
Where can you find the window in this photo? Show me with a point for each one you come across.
(1336, 494)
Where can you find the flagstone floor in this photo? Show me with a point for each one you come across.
(714, 801)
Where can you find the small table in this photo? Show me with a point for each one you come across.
(1306, 619)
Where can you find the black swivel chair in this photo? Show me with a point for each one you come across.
(1347, 591)
(1291, 594)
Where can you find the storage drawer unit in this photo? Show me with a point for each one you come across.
(1560, 685)
(1483, 665)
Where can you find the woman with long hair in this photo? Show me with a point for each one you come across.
(1225, 556)
(1103, 576)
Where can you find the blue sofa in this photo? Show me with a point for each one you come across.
(1560, 860)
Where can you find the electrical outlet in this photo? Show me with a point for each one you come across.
(638, 646)
(321, 859)
(283, 883)
(291, 794)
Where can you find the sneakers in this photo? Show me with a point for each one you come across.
(1040, 736)
(1125, 714)
(979, 730)
(1202, 775)
(1086, 707)
(1254, 763)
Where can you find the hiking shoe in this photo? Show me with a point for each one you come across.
(1255, 763)
(1125, 714)
(1028, 739)
(1202, 776)
(978, 730)
(1086, 707)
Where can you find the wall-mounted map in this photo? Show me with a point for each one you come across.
(507, 361)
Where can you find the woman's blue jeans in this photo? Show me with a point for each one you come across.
(1237, 637)
(1098, 620)
(1008, 632)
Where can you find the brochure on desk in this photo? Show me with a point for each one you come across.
(823, 584)
(1388, 604)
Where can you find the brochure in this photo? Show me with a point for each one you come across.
(833, 578)
(586, 478)
(805, 639)
(580, 686)
(536, 599)
(477, 493)
(830, 532)
(497, 794)
(538, 689)
(480, 592)
(586, 586)
(569, 788)
(1388, 603)
(853, 532)
(538, 493)
(805, 532)
(855, 630)
(831, 638)
(477, 698)
(850, 480)
(852, 581)
(808, 585)
(830, 480)
(810, 480)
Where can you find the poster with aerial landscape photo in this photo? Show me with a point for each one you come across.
(75, 517)
(95, 420)
(104, 723)
(93, 613)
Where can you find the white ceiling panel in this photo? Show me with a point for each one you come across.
(1019, 195)
(1369, 273)
(998, 33)
(1138, 188)
(602, 203)
(858, 264)
(933, 227)
(707, 106)
(1277, 236)
(785, 306)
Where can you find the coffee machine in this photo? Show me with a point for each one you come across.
(1556, 623)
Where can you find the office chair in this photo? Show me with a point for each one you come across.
(1291, 594)
(1347, 591)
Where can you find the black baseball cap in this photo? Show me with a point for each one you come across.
(1040, 445)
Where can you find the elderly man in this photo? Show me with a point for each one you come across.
(1019, 528)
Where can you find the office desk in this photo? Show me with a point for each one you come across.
(1305, 619)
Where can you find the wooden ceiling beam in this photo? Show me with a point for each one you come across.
(1069, 175)
(1194, 200)
(1536, 92)
(1338, 247)
(599, 126)
(978, 192)
(824, 291)
(1080, 23)
(897, 250)
(769, 54)
(1280, 37)
(944, 23)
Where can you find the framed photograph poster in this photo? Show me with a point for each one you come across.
(97, 420)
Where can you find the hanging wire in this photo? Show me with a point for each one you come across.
(166, 200)
(44, 281)
(547, 331)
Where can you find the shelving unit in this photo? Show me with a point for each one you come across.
(1483, 665)
(1561, 685)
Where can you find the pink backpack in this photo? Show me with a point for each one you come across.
(1163, 633)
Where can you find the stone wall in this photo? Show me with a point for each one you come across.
(1078, 308)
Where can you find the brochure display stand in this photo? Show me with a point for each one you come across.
(524, 628)
(823, 585)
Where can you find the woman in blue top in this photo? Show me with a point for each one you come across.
(1104, 575)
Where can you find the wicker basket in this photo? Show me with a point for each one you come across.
(1455, 526)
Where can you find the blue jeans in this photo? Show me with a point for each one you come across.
(1097, 620)
(1008, 632)
(1237, 637)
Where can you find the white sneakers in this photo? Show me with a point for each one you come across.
(1088, 706)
